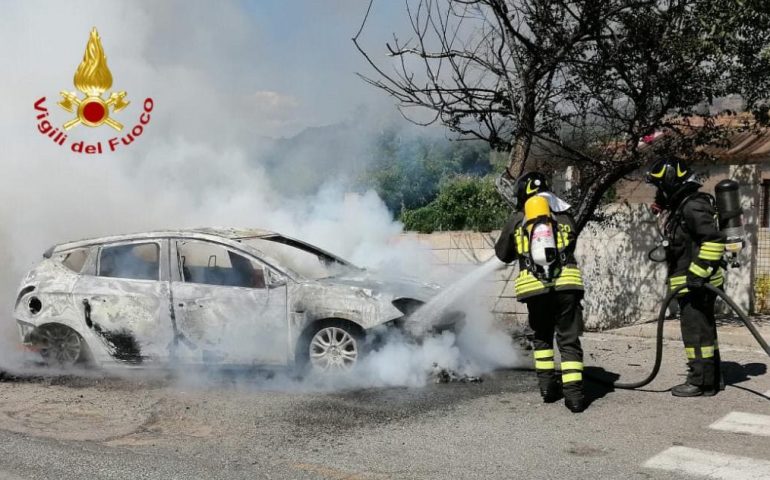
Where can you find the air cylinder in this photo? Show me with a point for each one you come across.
(542, 243)
(728, 199)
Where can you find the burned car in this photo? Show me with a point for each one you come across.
(206, 296)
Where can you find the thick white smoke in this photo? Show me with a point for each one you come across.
(197, 162)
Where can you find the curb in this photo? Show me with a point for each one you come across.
(731, 334)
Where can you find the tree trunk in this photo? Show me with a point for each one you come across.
(522, 141)
(517, 161)
(593, 196)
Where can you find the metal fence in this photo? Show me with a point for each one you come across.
(761, 261)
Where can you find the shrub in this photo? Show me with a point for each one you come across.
(462, 203)
(762, 294)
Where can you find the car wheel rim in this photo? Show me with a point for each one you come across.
(333, 349)
(61, 345)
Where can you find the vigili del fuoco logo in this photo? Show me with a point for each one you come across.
(95, 109)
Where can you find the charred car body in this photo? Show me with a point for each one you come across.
(205, 296)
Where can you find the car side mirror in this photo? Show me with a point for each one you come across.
(274, 280)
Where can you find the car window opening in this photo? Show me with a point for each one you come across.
(75, 259)
(211, 264)
(134, 261)
(307, 261)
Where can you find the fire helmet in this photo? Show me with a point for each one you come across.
(668, 176)
(529, 185)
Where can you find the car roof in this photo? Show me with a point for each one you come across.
(207, 233)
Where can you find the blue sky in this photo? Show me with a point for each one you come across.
(299, 49)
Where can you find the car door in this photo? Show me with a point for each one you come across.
(224, 310)
(126, 300)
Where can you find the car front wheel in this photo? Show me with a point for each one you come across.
(333, 347)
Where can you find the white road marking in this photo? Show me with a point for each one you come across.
(740, 422)
(710, 464)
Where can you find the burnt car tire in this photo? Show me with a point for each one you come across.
(330, 346)
(60, 346)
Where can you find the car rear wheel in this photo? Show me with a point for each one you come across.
(60, 346)
(332, 347)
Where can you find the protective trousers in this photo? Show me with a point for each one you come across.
(558, 312)
(699, 334)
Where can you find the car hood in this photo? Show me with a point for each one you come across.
(397, 287)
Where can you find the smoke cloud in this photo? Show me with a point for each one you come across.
(225, 84)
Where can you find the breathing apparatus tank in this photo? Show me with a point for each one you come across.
(730, 214)
(540, 228)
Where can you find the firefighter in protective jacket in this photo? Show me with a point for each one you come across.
(553, 301)
(694, 258)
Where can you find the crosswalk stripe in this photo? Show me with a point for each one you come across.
(710, 464)
(740, 422)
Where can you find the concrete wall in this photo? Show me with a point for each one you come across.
(622, 285)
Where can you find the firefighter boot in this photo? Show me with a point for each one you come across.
(690, 390)
(574, 399)
(550, 387)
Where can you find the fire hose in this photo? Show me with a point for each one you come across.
(659, 337)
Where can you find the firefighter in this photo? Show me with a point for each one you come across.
(694, 257)
(553, 301)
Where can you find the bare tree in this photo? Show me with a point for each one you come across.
(581, 79)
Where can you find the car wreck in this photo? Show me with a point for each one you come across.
(206, 296)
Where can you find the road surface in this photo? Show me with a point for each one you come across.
(231, 428)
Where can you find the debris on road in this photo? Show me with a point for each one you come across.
(444, 375)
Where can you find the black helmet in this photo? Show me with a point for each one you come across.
(529, 185)
(668, 176)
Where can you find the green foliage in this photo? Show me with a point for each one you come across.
(406, 171)
(463, 203)
(762, 294)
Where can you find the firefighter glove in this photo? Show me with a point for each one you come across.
(697, 276)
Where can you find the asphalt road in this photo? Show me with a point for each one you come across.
(62, 428)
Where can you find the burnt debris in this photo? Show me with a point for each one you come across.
(444, 375)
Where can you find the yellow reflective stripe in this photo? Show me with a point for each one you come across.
(545, 364)
(519, 240)
(522, 240)
(527, 280)
(711, 251)
(572, 365)
(700, 271)
(676, 281)
(527, 283)
(571, 377)
(519, 291)
(690, 351)
(570, 276)
(710, 256)
(679, 281)
(717, 282)
(540, 354)
(707, 351)
(713, 247)
(564, 283)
